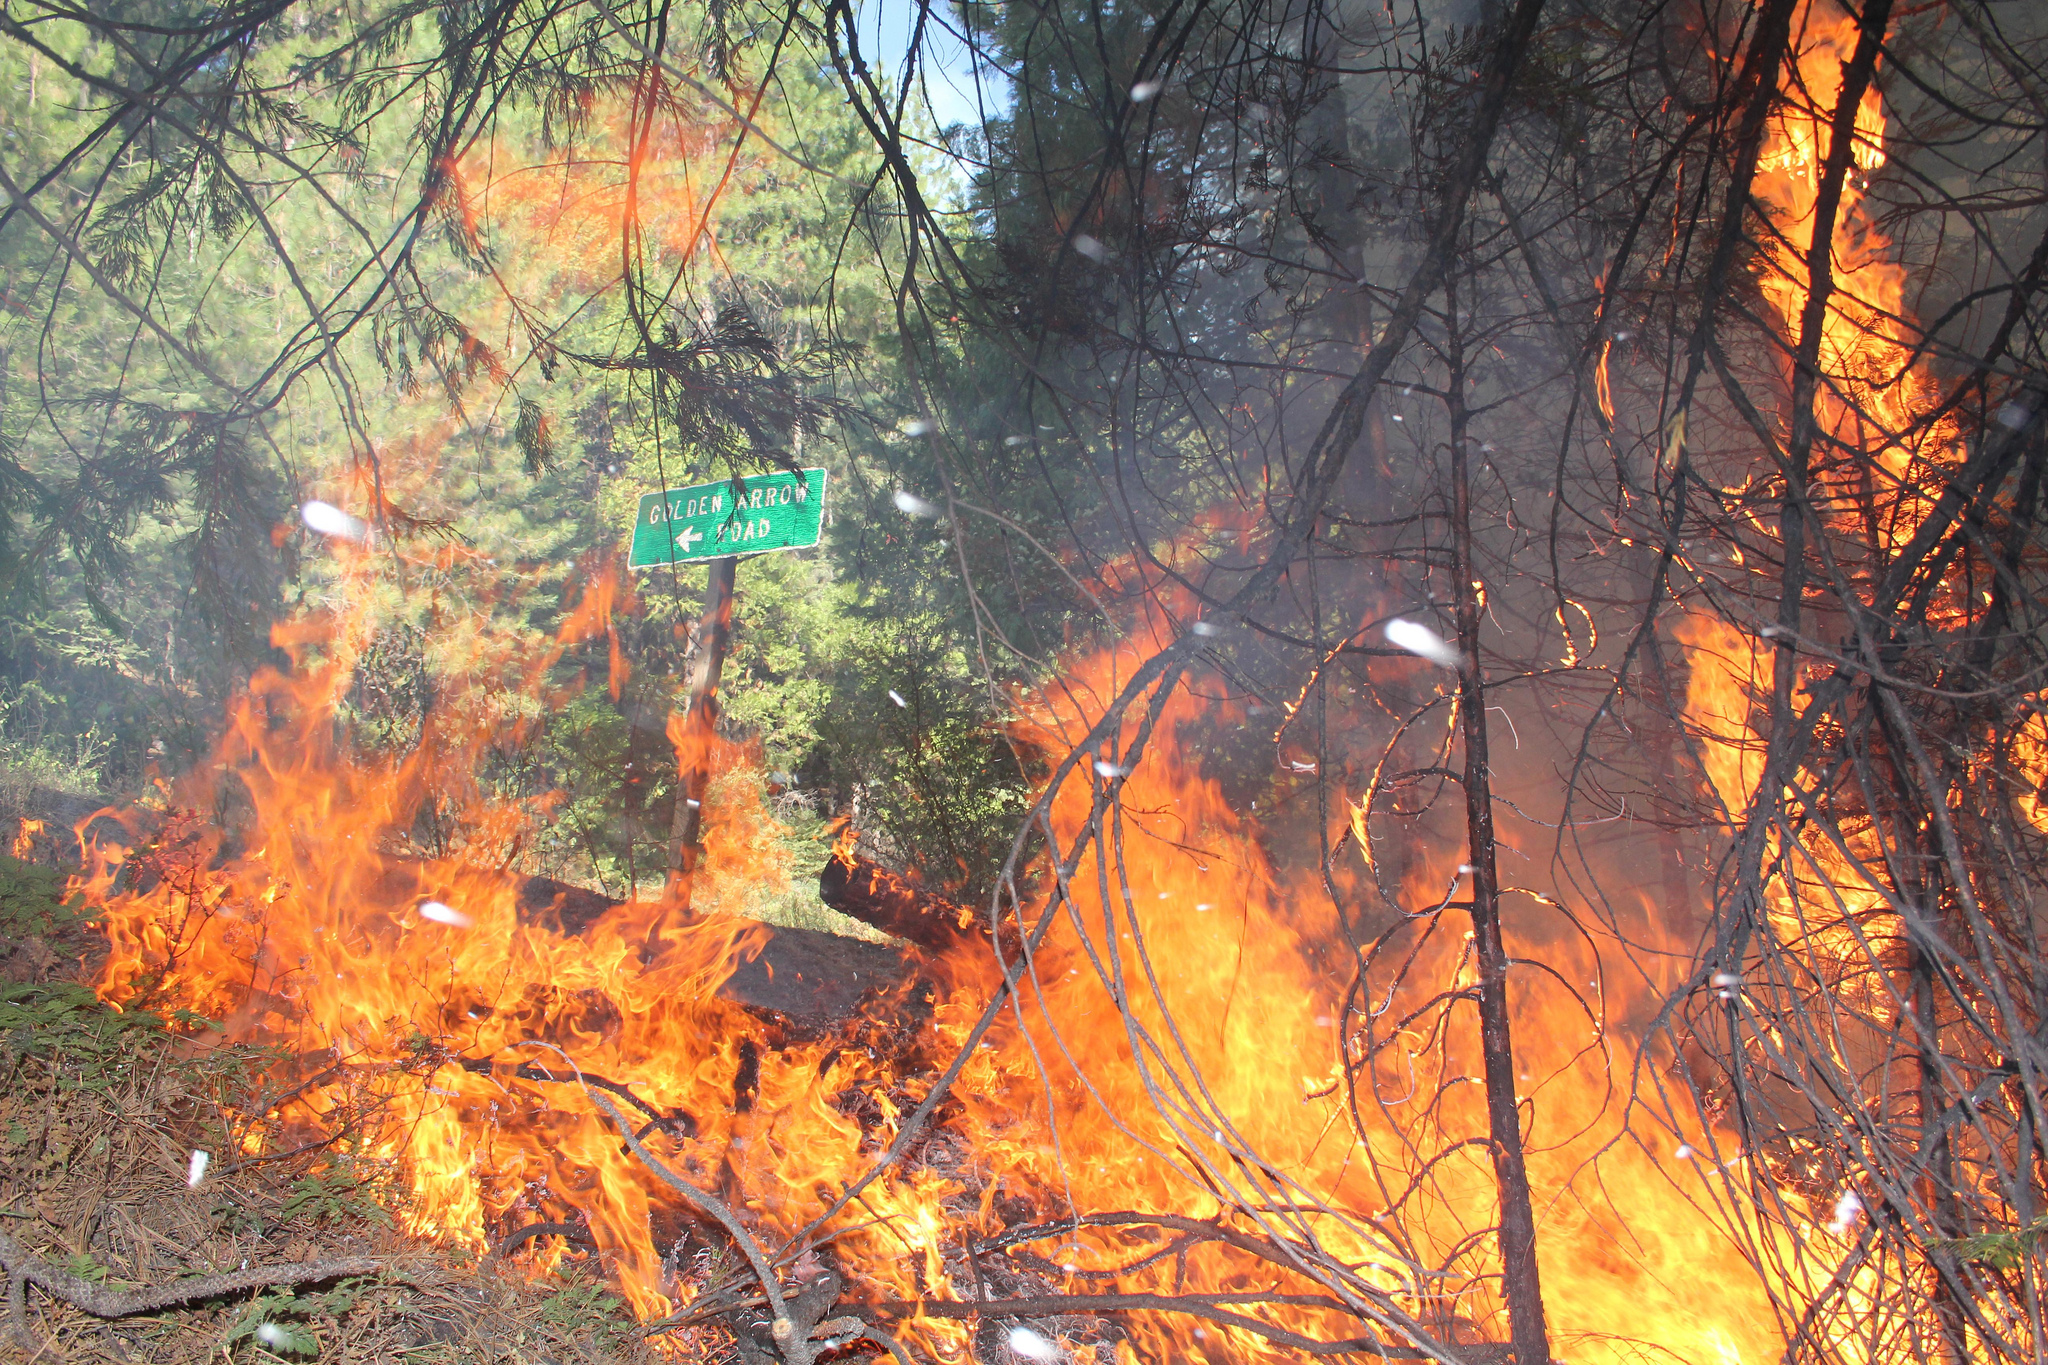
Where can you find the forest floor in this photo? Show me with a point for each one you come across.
(101, 1113)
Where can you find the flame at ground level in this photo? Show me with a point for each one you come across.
(1216, 1092)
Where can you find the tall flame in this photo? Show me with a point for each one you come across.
(1176, 1050)
(1178, 1046)
(1879, 451)
(1871, 399)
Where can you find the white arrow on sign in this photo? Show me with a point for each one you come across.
(690, 536)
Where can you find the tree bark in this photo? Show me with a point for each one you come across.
(700, 725)
(874, 895)
(1521, 1284)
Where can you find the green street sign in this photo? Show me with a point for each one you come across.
(779, 511)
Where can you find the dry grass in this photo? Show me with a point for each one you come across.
(100, 1113)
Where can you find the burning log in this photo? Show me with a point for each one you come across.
(874, 895)
(810, 980)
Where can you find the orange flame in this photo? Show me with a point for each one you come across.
(1873, 463)
(1178, 1046)
(1870, 397)
(1213, 1091)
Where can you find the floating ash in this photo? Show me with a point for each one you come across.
(196, 1172)
(1420, 640)
(1029, 1344)
(328, 520)
(911, 504)
(445, 914)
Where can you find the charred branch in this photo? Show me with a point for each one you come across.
(860, 887)
(1209, 1307)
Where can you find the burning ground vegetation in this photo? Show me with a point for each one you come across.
(287, 1083)
(448, 1111)
(146, 1237)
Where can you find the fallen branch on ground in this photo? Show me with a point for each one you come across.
(678, 1123)
(799, 1334)
(24, 1269)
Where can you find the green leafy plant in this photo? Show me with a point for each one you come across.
(582, 1303)
(1999, 1250)
(90, 1045)
(31, 755)
(333, 1196)
(574, 1303)
(237, 1217)
(82, 1264)
(33, 903)
(276, 1323)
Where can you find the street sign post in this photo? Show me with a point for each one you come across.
(718, 522)
(779, 511)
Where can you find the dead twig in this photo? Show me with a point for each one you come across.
(677, 1123)
(1208, 1306)
(24, 1269)
(799, 1335)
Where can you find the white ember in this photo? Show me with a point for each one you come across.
(912, 505)
(329, 520)
(196, 1172)
(1419, 639)
(1031, 1345)
(445, 914)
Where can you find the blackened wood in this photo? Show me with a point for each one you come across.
(810, 981)
(875, 896)
(1521, 1283)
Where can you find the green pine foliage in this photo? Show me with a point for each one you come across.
(417, 291)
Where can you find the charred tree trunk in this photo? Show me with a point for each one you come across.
(1520, 1282)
